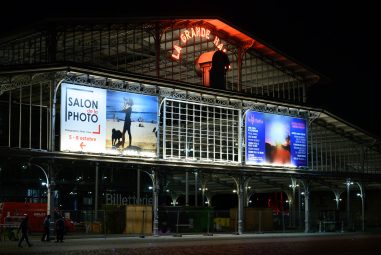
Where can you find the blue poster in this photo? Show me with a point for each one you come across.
(276, 140)
(298, 142)
(255, 136)
(131, 123)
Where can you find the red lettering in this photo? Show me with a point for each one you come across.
(186, 32)
(193, 33)
(207, 34)
(202, 32)
(178, 50)
(216, 40)
(198, 31)
(183, 38)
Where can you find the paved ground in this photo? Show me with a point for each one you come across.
(257, 244)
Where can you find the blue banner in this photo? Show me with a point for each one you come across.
(298, 142)
(255, 137)
(275, 140)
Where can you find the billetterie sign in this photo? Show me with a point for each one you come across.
(98, 120)
(119, 199)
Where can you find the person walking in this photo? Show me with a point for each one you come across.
(46, 225)
(60, 228)
(24, 227)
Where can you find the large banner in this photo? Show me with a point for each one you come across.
(275, 140)
(106, 121)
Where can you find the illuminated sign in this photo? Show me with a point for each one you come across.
(83, 118)
(106, 121)
(195, 32)
(119, 199)
(275, 140)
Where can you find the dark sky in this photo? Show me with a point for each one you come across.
(335, 38)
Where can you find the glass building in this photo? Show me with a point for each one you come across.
(185, 115)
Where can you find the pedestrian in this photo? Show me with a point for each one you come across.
(46, 225)
(24, 227)
(60, 228)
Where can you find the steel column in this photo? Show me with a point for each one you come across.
(348, 183)
(186, 188)
(240, 205)
(307, 186)
(299, 209)
(96, 190)
(240, 182)
(138, 186)
(155, 189)
(195, 188)
(362, 196)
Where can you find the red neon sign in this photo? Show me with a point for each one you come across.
(195, 32)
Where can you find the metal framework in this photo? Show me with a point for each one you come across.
(146, 47)
(200, 129)
(195, 127)
(202, 132)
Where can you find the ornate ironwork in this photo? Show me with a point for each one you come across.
(133, 87)
(208, 99)
(177, 94)
(194, 97)
(222, 101)
(149, 89)
(166, 92)
(271, 108)
(312, 116)
(236, 103)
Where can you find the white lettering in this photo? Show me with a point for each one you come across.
(118, 199)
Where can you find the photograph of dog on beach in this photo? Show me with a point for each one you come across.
(131, 123)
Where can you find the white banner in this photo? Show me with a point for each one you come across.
(83, 118)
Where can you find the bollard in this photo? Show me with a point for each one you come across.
(283, 225)
(177, 226)
(104, 224)
(342, 226)
(207, 233)
(142, 232)
(260, 222)
(320, 226)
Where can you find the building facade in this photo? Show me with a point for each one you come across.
(194, 107)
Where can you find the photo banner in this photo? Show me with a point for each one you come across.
(83, 118)
(98, 120)
(275, 140)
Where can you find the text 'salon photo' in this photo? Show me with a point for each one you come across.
(106, 121)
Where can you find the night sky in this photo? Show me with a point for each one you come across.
(335, 38)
